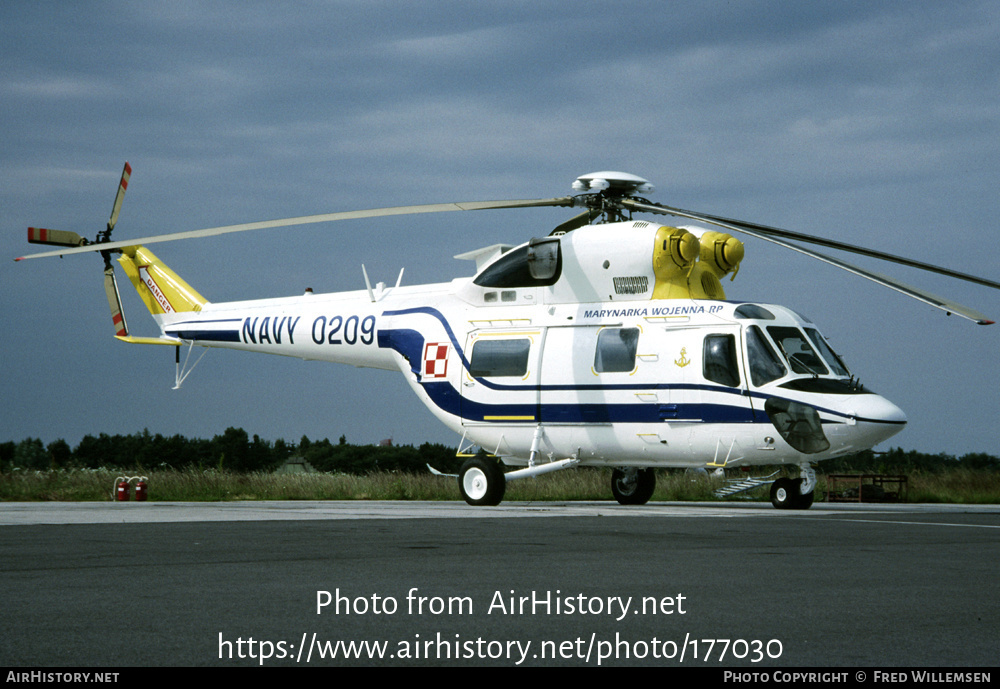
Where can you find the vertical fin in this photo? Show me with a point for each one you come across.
(161, 289)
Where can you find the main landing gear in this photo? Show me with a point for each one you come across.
(482, 482)
(633, 486)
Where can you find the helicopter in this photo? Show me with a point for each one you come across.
(608, 342)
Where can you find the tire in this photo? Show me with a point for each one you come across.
(783, 493)
(633, 486)
(800, 501)
(482, 482)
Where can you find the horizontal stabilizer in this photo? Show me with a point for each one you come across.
(147, 340)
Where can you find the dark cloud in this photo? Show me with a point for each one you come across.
(870, 122)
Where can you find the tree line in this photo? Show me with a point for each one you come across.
(233, 450)
(900, 461)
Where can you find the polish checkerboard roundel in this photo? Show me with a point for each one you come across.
(436, 360)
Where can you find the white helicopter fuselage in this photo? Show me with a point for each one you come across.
(562, 348)
(608, 342)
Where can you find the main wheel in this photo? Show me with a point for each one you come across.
(481, 482)
(783, 493)
(632, 486)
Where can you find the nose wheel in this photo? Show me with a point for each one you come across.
(786, 494)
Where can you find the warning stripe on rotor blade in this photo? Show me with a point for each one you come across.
(40, 235)
(119, 321)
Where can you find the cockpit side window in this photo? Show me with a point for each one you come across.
(796, 350)
(831, 357)
(765, 365)
(538, 264)
(720, 361)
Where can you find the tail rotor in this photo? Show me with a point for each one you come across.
(110, 284)
(38, 235)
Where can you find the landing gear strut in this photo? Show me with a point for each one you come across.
(633, 486)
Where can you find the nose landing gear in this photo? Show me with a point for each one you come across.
(795, 494)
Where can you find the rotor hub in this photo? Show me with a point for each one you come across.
(612, 184)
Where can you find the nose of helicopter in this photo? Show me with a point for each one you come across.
(876, 419)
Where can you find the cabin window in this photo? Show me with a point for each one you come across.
(765, 365)
(538, 264)
(616, 349)
(500, 358)
(721, 364)
(801, 357)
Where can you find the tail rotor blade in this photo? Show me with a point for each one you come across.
(122, 186)
(39, 235)
(115, 302)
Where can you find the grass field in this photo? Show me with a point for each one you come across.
(955, 486)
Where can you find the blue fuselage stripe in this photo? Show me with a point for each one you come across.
(410, 343)
(206, 335)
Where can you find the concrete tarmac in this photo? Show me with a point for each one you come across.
(107, 585)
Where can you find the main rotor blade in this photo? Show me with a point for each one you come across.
(828, 243)
(310, 219)
(945, 305)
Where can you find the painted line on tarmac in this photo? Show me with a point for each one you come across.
(13, 514)
(893, 521)
(23, 514)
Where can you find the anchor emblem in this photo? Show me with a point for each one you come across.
(683, 361)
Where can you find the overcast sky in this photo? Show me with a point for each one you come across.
(876, 123)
